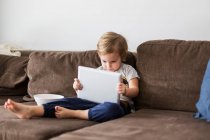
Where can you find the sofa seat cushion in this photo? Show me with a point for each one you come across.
(13, 128)
(145, 124)
(171, 73)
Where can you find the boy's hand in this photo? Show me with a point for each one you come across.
(77, 85)
(121, 88)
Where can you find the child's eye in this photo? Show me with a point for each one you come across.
(113, 61)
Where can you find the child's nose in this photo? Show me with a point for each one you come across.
(108, 65)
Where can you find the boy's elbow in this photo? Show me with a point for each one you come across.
(137, 92)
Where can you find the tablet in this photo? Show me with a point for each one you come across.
(98, 85)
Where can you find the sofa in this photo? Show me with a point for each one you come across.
(171, 73)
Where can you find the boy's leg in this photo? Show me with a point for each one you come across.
(23, 111)
(106, 111)
(61, 112)
(97, 112)
(68, 108)
(79, 108)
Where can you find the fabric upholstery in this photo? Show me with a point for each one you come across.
(12, 70)
(171, 73)
(12, 128)
(13, 78)
(20, 89)
(145, 124)
(13, 97)
(54, 72)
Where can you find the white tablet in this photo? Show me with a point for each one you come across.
(98, 85)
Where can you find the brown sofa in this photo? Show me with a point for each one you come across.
(171, 74)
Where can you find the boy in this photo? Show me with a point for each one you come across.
(112, 49)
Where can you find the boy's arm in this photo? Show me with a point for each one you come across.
(132, 90)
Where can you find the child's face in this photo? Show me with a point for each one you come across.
(111, 61)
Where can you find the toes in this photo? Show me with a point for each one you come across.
(10, 102)
(58, 108)
(57, 115)
(5, 105)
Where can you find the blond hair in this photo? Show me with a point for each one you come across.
(112, 42)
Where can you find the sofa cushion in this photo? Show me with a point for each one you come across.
(145, 124)
(171, 73)
(54, 72)
(12, 70)
(13, 78)
(19, 90)
(15, 98)
(12, 128)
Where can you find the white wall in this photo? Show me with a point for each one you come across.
(78, 24)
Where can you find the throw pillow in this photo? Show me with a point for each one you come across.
(203, 104)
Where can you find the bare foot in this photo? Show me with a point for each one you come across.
(61, 112)
(20, 110)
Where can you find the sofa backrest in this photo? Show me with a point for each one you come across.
(13, 78)
(171, 73)
(54, 72)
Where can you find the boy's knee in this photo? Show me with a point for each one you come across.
(106, 111)
(111, 107)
